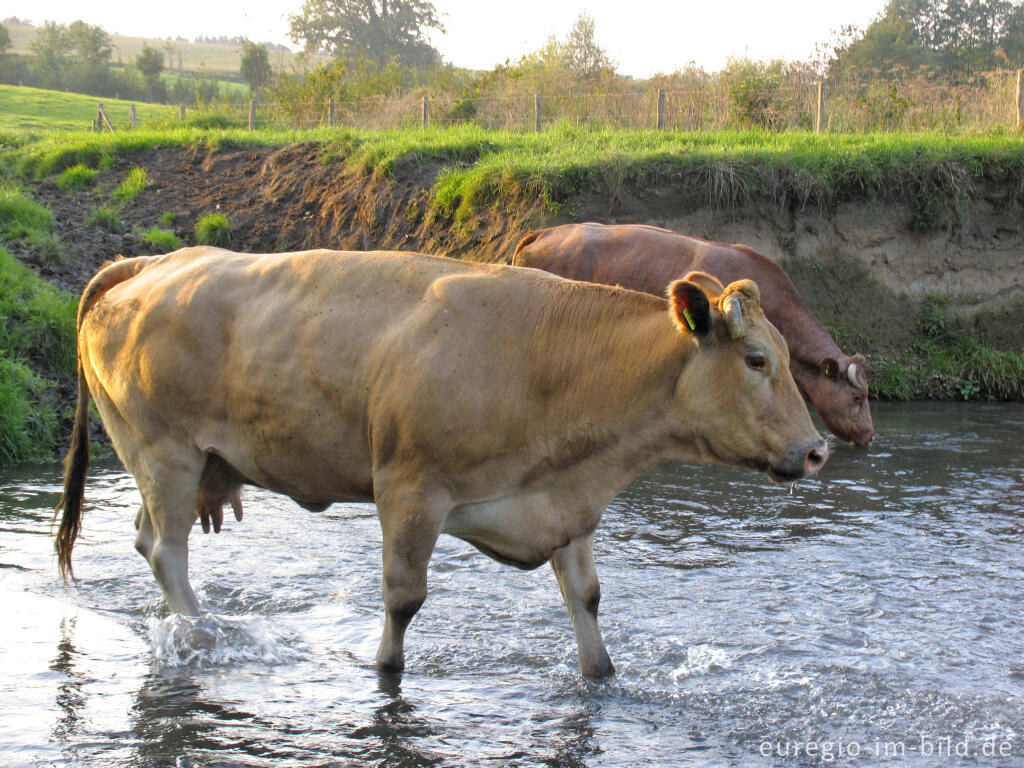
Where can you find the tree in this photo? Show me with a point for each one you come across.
(584, 57)
(375, 30)
(5, 40)
(255, 65)
(89, 45)
(51, 50)
(150, 63)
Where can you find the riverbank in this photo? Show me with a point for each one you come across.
(907, 248)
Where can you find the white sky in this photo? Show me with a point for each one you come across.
(643, 36)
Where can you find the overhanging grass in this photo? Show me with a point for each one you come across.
(37, 347)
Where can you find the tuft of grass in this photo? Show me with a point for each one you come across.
(76, 177)
(21, 218)
(170, 218)
(37, 348)
(106, 218)
(162, 240)
(136, 181)
(213, 229)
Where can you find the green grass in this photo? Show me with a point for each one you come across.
(136, 181)
(76, 177)
(106, 218)
(38, 110)
(948, 360)
(170, 218)
(37, 347)
(213, 229)
(162, 240)
(21, 218)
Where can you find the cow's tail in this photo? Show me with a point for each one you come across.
(76, 463)
(528, 239)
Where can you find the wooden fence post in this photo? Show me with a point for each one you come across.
(426, 111)
(330, 111)
(1020, 99)
(661, 109)
(537, 113)
(181, 112)
(133, 121)
(819, 124)
(252, 115)
(102, 119)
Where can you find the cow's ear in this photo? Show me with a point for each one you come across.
(690, 308)
(830, 368)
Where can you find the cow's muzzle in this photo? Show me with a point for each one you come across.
(801, 460)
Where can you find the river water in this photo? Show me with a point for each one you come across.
(871, 616)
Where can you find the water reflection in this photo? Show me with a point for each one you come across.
(70, 699)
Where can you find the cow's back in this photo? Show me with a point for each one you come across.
(261, 359)
(639, 257)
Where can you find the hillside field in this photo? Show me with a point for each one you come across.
(34, 109)
(195, 57)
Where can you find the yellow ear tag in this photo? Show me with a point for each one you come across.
(689, 319)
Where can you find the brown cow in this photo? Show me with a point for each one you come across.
(503, 406)
(648, 259)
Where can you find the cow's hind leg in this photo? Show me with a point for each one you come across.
(577, 578)
(169, 511)
(144, 533)
(411, 522)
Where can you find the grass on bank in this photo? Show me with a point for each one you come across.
(476, 167)
(947, 359)
(37, 348)
(21, 218)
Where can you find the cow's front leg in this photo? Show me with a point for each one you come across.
(577, 578)
(410, 529)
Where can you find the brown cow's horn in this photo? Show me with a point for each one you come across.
(734, 318)
(851, 374)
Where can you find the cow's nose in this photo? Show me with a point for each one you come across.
(801, 460)
(815, 458)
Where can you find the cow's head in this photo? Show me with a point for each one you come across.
(839, 391)
(736, 398)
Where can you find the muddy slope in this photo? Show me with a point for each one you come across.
(860, 267)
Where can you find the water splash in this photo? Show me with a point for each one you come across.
(210, 640)
(701, 659)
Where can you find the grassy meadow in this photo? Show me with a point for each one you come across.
(38, 110)
(194, 57)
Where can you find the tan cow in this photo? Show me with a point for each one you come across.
(503, 406)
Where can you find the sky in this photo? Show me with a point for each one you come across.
(643, 36)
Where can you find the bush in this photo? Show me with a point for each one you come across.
(213, 229)
(216, 121)
(106, 218)
(136, 181)
(162, 240)
(76, 177)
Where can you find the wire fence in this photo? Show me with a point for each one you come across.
(993, 102)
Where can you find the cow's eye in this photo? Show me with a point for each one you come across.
(756, 361)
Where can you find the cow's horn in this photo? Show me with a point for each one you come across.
(851, 374)
(734, 318)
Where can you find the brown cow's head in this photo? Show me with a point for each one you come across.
(736, 397)
(839, 390)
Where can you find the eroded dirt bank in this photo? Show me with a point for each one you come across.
(860, 267)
